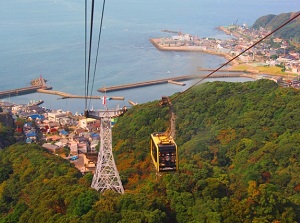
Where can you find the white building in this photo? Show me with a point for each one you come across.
(86, 122)
(56, 116)
(73, 147)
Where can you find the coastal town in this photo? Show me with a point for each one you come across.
(273, 52)
(72, 136)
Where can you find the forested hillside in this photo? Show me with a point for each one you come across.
(239, 162)
(6, 129)
(272, 22)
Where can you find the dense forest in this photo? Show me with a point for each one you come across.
(6, 129)
(290, 31)
(239, 162)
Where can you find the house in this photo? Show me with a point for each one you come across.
(59, 144)
(64, 142)
(36, 116)
(246, 58)
(53, 130)
(93, 145)
(65, 121)
(87, 122)
(34, 109)
(73, 147)
(89, 160)
(28, 140)
(79, 131)
(63, 133)
(295, 69)
(94, 127)
(43, 128)
(49, 127)
(6, 106)
(19, 129)
(16, 108)
(50, 147)
(31, 135)
(56, 116)
(27, 127)
(71, 136)
(53, 138)
(95, 136)
(83, 147)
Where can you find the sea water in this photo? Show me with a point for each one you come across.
(47, 37)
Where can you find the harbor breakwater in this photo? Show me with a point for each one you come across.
(157, 42)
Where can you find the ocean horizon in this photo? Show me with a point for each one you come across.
(46, 37)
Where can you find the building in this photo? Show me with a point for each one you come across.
(50, 147)
(56, 116)
(87, 122)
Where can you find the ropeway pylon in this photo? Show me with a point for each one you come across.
(106, 175)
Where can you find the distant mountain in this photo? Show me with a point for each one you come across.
(272, 22)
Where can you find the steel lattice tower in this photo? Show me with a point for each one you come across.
(106, 175)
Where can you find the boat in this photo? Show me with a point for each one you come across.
(35, 102)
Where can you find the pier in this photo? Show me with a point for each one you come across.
(36, 84)
(67, 95)
(173, 80)
(132, 103)
(176, 82)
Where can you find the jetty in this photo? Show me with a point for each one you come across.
(132, 103)
(36, 84)
(67, 95)
(172, 80)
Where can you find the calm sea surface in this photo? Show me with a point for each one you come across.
(46, 37)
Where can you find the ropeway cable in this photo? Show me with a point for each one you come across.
(99, 38)
(88, 94)
(90, 50)
(85, 52)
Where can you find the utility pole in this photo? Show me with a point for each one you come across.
(106, 176)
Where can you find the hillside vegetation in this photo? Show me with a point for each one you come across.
(272, 22)
(239, 162)
(272, 70)
(6, 129)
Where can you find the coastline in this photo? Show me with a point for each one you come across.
(234, 65)
(221, 28)
(155, 42)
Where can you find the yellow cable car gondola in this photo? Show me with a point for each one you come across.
(163, 149)
(163, 152)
